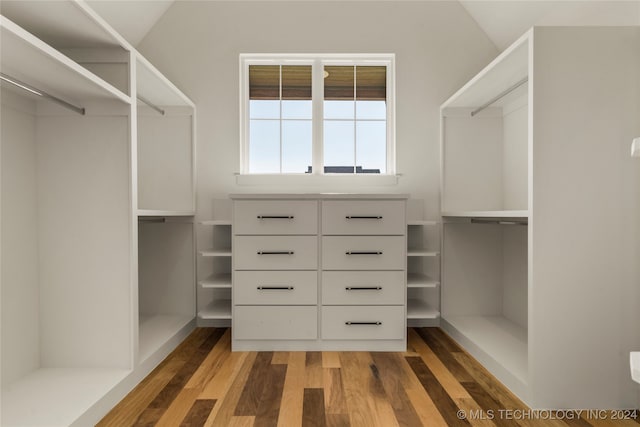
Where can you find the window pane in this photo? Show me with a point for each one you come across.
(371, 83)
(371, 149)
(338, 146)
(264, 146)
(338, 83)
(264, 82)
(296, 82)
(339, 110)
(259, 109)
(369, 110)
(296, 110)
(296, 146)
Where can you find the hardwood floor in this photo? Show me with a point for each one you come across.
(203, 383)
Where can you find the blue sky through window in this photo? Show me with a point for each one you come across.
(281, 135)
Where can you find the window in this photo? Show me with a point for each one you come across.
(320, 114)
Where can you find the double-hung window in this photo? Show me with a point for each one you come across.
(317, 114)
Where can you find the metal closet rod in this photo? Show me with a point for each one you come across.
(41, 93)
(152, 220)
(500, 96)
(150, 104)
(499, 221)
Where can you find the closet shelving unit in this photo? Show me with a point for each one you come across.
(214, 290)
(485, 128)
(423, 284)
(166, 206)
(528, 159)
(71, 252)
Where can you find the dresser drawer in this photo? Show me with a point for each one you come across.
(275, 252)
(363, 252)
(363, 217)
(275, 287)
(363, 288)
(275, 323)
(275, 217)
(363, 322)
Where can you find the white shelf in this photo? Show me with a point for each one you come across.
(216, 252)
(502, 340)
(487, 214)
(502, 73)
(419, 309)
(150, 212)
(154, 331)
(422, 252)
(156, 88)
(215, 222)
(24, 56)
(64, 24)
(417, 280)
(219, 280)
(421, 222)
(219, 309)
(56, 397)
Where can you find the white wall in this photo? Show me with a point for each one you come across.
(20, 327)
(505, 21)
(437, 45)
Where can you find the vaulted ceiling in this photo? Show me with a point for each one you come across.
(502, 20)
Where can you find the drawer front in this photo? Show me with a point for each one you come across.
(275, 287)
(275, 252)
(363, 323)
(363, 252)
(363, 288)
(275, 323)
(275, 217)
(368, 217)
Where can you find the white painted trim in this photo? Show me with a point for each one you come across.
(317, 61)
(297, 180)
(635, 147)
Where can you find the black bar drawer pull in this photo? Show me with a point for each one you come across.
(275, 288)
(275, 217)
(363, 288)
(363, 217)
(363, 253)
(362, 323)
(275, 252)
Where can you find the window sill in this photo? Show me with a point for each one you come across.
(363, 180)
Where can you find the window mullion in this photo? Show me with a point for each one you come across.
(317, 99)
(355, 133)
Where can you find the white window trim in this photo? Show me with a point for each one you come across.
(317, 61)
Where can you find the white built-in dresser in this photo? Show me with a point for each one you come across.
(319, 272)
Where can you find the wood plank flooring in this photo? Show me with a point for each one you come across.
(433, 383)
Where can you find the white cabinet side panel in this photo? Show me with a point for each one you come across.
(472, 163)
(165, 268)
(472, 270)
(515, 289)
(585, 217)
(165, 169)
(84, 241)
(514, 158)
(20, 302)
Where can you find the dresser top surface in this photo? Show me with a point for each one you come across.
(314, 196)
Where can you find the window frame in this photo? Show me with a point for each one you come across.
(317, 62)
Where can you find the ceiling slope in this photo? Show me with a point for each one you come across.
(131, 18)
